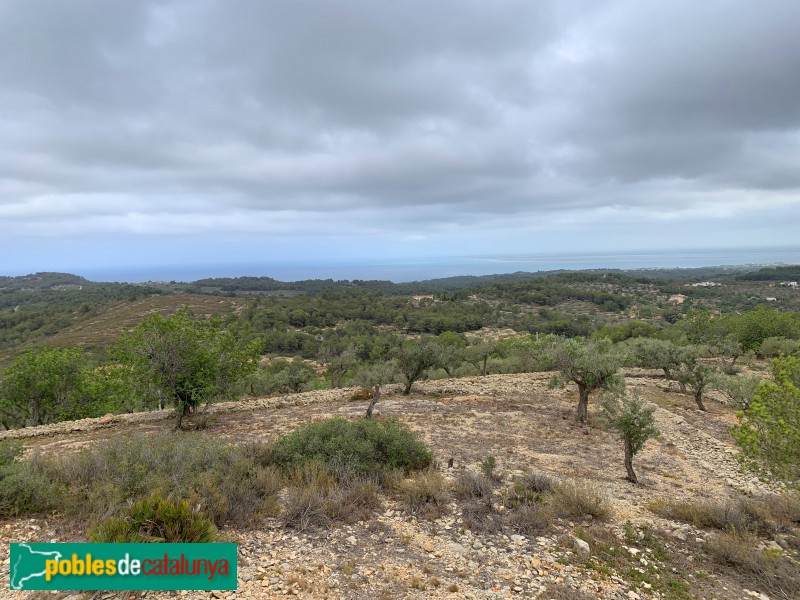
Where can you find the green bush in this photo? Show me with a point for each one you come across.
(10, 450)
(768, 433)
(25, 489)
(773, 347)
(364, 447)
(156, 519)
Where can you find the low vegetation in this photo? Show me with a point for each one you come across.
(316, 498)
(156, 519)
(768, 516)
(327, 472)
(768, 569)
(361, 448)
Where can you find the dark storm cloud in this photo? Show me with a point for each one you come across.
(286, 116)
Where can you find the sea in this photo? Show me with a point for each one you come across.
(419, 269)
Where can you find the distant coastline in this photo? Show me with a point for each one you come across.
(402, 270)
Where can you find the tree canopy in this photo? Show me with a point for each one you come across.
(769, 432)
(591, 365)
(43, 385)
(184, 362)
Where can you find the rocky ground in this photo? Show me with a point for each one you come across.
(527, 428)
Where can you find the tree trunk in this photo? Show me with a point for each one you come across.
(682, 385)
(483, 370)
(698, 397)
(35, 413)
(448, 371)
(583, 404)
(407, 388)
(181, 411)
(629, 462)
(667, 374)
(376, 395)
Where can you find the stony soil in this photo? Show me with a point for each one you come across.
(527, 428)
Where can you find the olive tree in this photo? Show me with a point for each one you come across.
(184, 362)
(716, 334)
(478, 354)
(739, 389)
(373, 377)
(413, 359)
(340, 364)
(650, 353)
(696, 375)
(451, 351)
(628, 416)
(591, 365)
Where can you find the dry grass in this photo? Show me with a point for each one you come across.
(530, 519)
(577, 499)
(315, 498)
(768, 568)
(425, 493)
(478, 516)
(765, 516)
(472, 486)
(537, 483)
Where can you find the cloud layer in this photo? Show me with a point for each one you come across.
(463, 124)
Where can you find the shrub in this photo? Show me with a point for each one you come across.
(488, 467)
(473, 486)
(520, 494)
(530, 519)
(231, 484)
(769, 568)
(773, 347)
(316, 498)
(426, 493)
(768, 433)
(574, 500)
(766, 516)
(243, 495)
(10, 450)
(479, 516)
(363, 447)
(156, 519)
(537, 483)
(25, 489)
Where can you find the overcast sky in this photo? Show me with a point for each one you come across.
(139, 133)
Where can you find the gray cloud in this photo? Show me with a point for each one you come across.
(287, 117)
